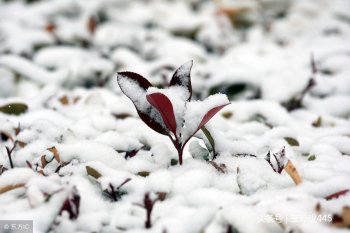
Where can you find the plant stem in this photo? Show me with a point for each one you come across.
(180, 152)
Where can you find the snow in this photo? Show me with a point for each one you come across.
(258, 56)
(196, 110)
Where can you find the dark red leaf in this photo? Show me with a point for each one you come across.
(337, 194)
(72, 204)
(143, 84)
(140, 80)
(182, 77)
(165, 108)
(152, 123)
(210, 114)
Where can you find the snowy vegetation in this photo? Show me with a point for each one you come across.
(185, 116)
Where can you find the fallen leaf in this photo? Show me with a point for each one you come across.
(161, 195)
(220, 168)
(342, 221)
(318, 122)
(143, 173)
(14, 108)
(55, 153)
(292, 172)
(337, 194)
(64, 100)
(292, 141)
(93, 172)
(10, 187)
(50, 27)
(227, 115)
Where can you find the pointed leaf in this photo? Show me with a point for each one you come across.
(134, 86)
(210, 138)
(140, 80)
(165, 107)
(182, 77)
(210, 114)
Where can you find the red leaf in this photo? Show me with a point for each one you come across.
(72, 204)
(210, 114)
(337, 194)
(165, 107)
(182, 77)
(141, 81)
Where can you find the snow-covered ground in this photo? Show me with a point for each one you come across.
(83, 161)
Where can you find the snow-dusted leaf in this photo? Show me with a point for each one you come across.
(134, 86)
(198, 113)
(210, 114)
(182, 77)
(165, 107)
(72, 204)
(141, 81)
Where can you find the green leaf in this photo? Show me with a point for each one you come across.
(173, 162)
(209, 137)
(312, 158)
(93, 172)
(292, 141)
(143, 173)
(14, 108)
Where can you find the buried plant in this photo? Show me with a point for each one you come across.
(170, 111)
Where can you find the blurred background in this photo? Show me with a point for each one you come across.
(248, 49)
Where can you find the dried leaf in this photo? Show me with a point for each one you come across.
(10, 187)
(14, 108)
(2, 169)
(292, 141)
(92, 24)
(342, 221)
(55, 153)
(227, 115)
(220, 168)
(143, 173)
(318, 122)
(50, 27)
(337, 194)
(122, 115)
(43, 161)
(292, 172)
(161, 195)
(93, 172)
(64, 100)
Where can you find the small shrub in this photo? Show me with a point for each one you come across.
(170, 111)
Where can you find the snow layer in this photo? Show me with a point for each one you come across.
(80, 132)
